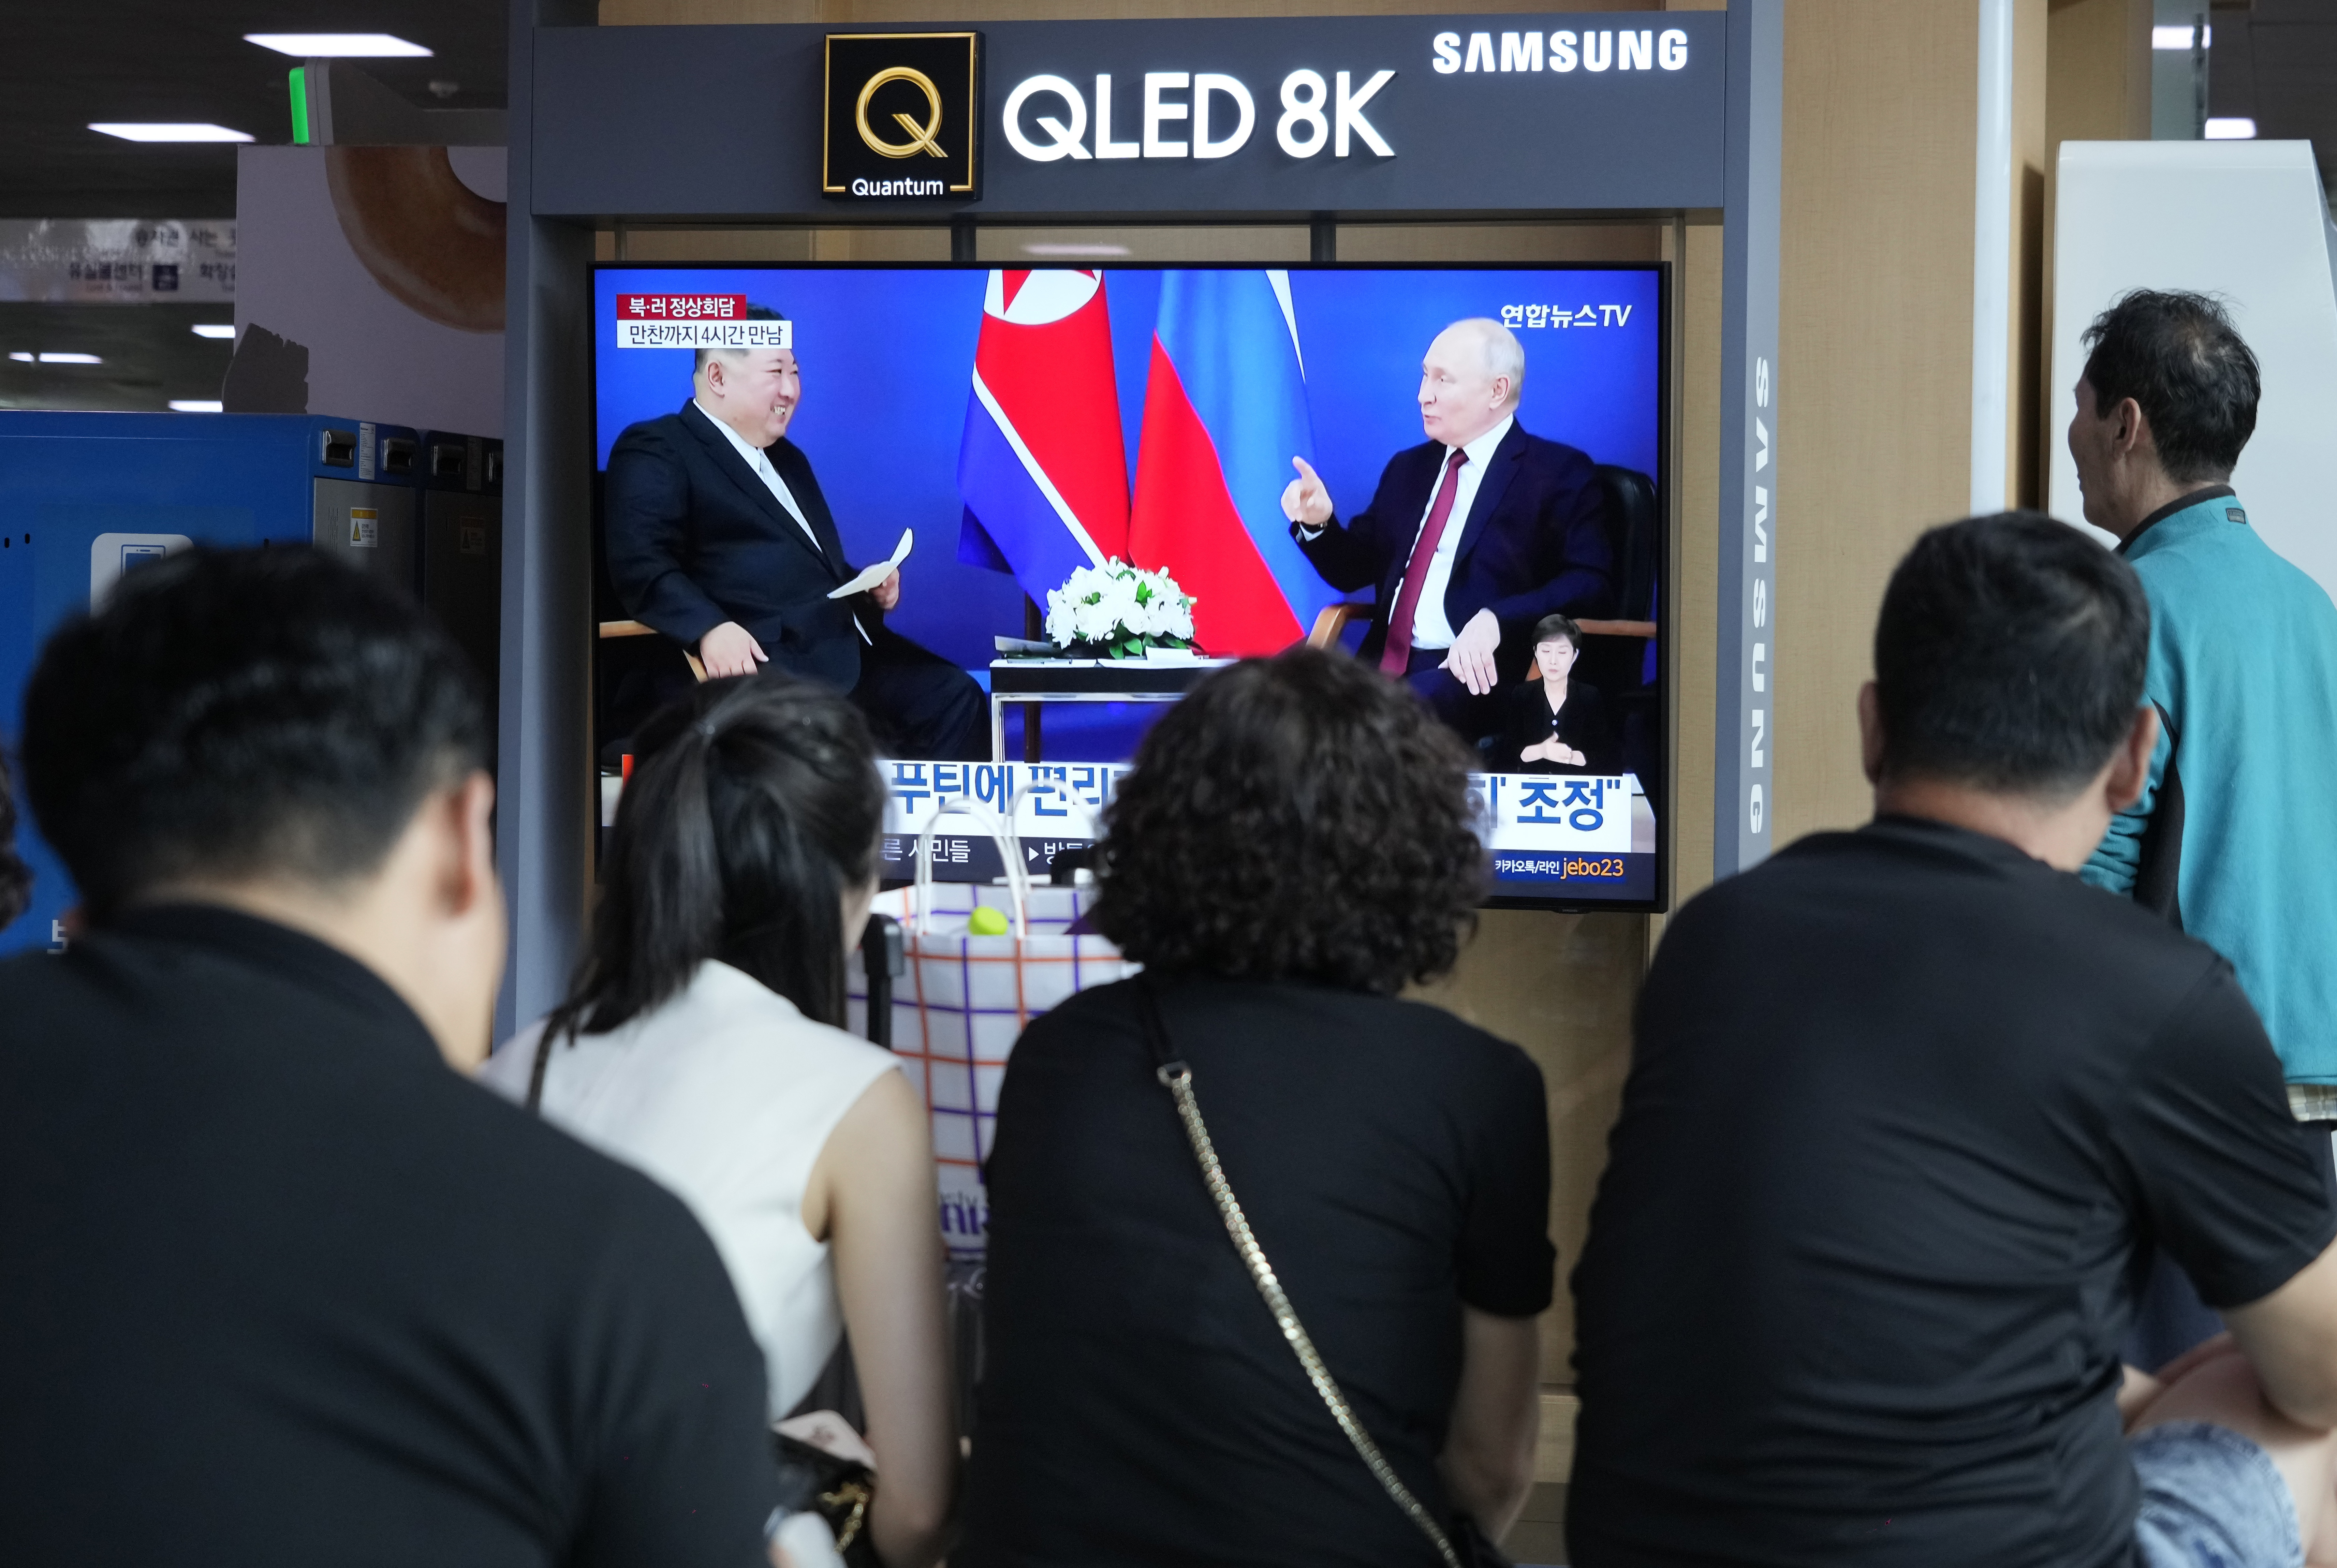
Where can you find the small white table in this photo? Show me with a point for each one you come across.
(1032, 682)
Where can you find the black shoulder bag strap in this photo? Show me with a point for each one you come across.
(535, 1073)
(1177, 1079)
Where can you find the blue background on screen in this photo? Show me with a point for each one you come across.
(887, 359)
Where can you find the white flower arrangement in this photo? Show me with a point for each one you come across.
(1119, 610)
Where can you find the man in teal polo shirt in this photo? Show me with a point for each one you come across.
(2234, 839)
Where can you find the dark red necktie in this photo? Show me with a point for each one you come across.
(1398, 652)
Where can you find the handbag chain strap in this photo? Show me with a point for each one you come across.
(1178, 1077)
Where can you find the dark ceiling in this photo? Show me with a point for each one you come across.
(152, 60)
(2276, 63)
(147, 59)
(2274, 60)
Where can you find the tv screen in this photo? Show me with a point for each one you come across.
(1015, 428)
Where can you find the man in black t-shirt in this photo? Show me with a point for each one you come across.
(1910, 1112)
(278, 1286)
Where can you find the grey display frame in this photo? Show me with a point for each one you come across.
(587, 107)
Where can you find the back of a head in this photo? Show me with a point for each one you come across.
(2178, 356)
(755, 807)
(1301, 817)
(232, 716)
(2008, 657)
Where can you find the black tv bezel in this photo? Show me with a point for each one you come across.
(1662, 802)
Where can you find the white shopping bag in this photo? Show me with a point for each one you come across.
(964, 1000)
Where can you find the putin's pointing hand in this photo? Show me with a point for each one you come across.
(1305, 499)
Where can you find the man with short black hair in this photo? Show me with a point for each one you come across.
(1910, 1108)
(2231, 839)
(276, 1284)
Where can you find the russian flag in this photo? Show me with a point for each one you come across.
(1225, 410)
(1041, 468)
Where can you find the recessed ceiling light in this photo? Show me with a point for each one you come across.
(131, 133)
(214, 329)
(22, 358)
(1047, 248)
(197, 405)
(2236, 128)
(334, 45)
(2179, 38)
(71, 359)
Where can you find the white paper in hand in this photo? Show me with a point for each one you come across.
(875, 574)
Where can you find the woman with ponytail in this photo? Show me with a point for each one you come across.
(702, 1043)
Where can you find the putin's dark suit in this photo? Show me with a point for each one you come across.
(1534, 543)
(695, 539)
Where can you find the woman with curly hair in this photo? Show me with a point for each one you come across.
(1294, 845)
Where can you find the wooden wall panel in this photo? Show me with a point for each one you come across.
(751, 244)
(1264, 244)
(1518, 244)
(2097, 68)
(2097, 89)
(1875, 354)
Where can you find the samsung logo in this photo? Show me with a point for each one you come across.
(1643, 49)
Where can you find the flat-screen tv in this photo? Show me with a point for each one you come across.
(1018, 425)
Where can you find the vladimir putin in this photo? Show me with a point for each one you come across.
(720, 538)
(1472, 538)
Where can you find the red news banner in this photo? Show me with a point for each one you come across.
(695, 321)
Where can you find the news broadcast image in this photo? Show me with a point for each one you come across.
(1022, 425)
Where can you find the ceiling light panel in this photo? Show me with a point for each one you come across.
(337, 45)
(144, 132)
(2236, 128)
(197, 405)
(71, 359)
(214, 329)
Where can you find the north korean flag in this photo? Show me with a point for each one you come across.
(1041, 468)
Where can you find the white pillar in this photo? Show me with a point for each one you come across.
(1991, 363)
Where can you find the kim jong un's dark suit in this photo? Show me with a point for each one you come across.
(695, 539)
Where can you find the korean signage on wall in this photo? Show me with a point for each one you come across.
(117, 260)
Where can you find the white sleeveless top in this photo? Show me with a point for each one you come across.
(725, 1095)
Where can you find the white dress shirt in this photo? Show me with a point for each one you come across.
(1430, 626)
(760, 462)
(725, 1095)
